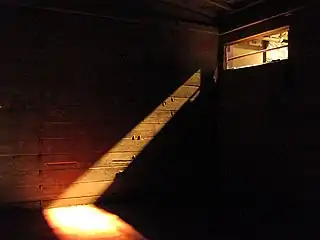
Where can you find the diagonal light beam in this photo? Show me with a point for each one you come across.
(76, 188)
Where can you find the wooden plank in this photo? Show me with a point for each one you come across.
(63, 115)
(144, 130)
(159, 117)
(21, 178)
(84, 150)
(58, 176)
(78, 115)
(194, 80)
(61, 146)
(60, 161)
(13, 134)
(84, 160)
(47, 192)
(25, 163)
(22, 163)
(173, 104)
(56, 130)
(108, 158)
(25, 205)
(128, 145)
(7, 164)
(68, 202)
(69, 176)
(120, 156)
(125, 164)
(185, 91)
(20, 194)
(18, 147)
(81, 190)
(12, 127)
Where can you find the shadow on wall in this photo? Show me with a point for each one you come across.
(170, 190)
(177, 152)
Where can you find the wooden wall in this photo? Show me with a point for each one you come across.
(269, 130)
(73, 86)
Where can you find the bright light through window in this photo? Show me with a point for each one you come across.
(256, 50)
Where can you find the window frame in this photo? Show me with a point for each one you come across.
(252, 37)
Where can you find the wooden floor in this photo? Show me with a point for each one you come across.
(152, 223)
(146, 222)
(24, 224)
(69, 223)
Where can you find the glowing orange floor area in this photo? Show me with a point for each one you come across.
(88, 222)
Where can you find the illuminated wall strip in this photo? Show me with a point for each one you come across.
(76, 189)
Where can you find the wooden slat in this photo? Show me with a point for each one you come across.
(173, 104)
(30, 146)
(60, 145)
(68, 131)
(15, 134)
(159, 117)
(63, 115)
(7, 164)
(60, 177)
(185, 91)
(21, 163)
(18, 125)
(128, 145)
(68, 201)
(20, 178)
(25, 163)
(144, 130)
(83, 190)
(194, 80)
(108, 158)
(70, 146)
(47, 192)
(63, 161)
(61, 130)
(20, 194)
(57, 176)
(124, 164)
(25, 205)
(77, 115)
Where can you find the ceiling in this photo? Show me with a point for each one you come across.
(213, 7)
(205, 12)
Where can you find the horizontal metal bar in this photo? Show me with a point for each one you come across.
(254, 53)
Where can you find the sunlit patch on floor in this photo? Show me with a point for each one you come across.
(88, 222)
